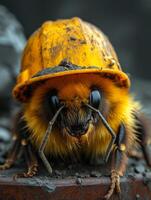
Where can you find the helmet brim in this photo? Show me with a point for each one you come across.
(118, 78)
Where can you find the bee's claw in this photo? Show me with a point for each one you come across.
(5, 166)
(115, 185)
(32, 171)
(12, 156)
(26, 148)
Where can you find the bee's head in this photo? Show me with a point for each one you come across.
(75, 119)
(79, 106)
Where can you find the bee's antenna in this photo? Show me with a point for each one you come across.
(45, 139)
(108, 127)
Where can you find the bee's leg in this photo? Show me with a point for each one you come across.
(135, 154)
(21, 147)
(144, 135)
(12, 155)
(31, 161)
(119, 161)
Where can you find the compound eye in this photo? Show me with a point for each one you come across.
(95, 98)
(54, 101)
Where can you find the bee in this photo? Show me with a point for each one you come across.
(75, 101)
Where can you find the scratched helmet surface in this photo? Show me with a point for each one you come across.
(72, 40)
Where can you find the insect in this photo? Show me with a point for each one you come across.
(75, 99)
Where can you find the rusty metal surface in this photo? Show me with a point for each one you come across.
(75, 182)
(44, 188)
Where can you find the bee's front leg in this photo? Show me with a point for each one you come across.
(13, 154)
(31, 160)
(119, 162)
(21, 147)
(24, 147)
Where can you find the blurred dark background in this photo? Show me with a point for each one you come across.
(126, 23)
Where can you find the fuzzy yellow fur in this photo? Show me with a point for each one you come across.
(95, 142)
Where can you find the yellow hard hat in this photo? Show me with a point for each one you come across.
(80, 44)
